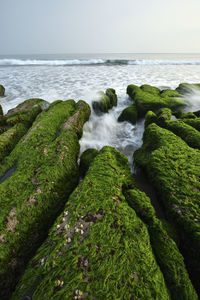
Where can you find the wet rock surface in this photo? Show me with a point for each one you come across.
(46, 173)
(88, 231)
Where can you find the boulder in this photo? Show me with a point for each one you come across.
(33, 196)
(26, 112)
(173, 169)
(167, 254)
(2, 90)
(187, 87)
(86, 159)
(150, 117)
(98, 247)
(113, 96)
(148, 99)
(129, 114)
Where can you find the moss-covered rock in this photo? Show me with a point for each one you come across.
(26, 112)
(31, 198)
(98, 247)
(193, 122)
(150, 117)
(2, 130)
(150, 89)
(169, 93)
(2, 90)
(1, 111)
(9, 138)
(17, 122)
(167, 254)
(181, 115)
(132, 89)
(101, 104)
(113, 96)
(129, 114)
(173, 168)
(86, 159)
(189, 134)
(197, 113)
(145, 100)
(187, 87)
(163, 115)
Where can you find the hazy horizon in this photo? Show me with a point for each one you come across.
(114, 26)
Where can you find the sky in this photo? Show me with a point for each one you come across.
(99, 26)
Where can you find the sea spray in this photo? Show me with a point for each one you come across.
(105, 130)
(192, 97)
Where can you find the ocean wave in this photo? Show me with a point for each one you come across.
(79, 62)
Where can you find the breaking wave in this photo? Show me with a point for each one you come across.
(75, 62)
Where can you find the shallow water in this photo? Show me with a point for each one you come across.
(75, 80)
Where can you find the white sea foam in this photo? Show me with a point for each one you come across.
(192, 97)
(97, 61)
(57, 62)
(105, 130)
(83, 81)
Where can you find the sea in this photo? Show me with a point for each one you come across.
(81, 76)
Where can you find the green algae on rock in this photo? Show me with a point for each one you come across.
(98, 247)
(112, 95)
(85, 160)
(167, 254)
(150, 89)
(19, 119)
(170, 93)
(187, 87)
(148, 98)
(173, 168)
(189, 134)
(9, 138)
(104, 101)
(26, 112)
(46, 173)
(150, 117)
(129, 114)
(2, 90)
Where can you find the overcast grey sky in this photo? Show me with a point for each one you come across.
(97, 26)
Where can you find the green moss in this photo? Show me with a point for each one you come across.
(25, 112)
(102, 104)
(197, 113)
(112, 95)
(193, 122)
(129, 114)
(46, 173)
(111, 258)
(1, 111)
(151, 101)
(163, 115)
(187, 87)
(178, 114)
(2, 90)
(2, 121)
(189, 115)
(189, 134)
(173, 168)
(132, 89)
(2, 130)
(169, 93)
(9, 138)
(85, 160)
(167, 254)
(150, 89)
(150, 117)
(19, 119)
